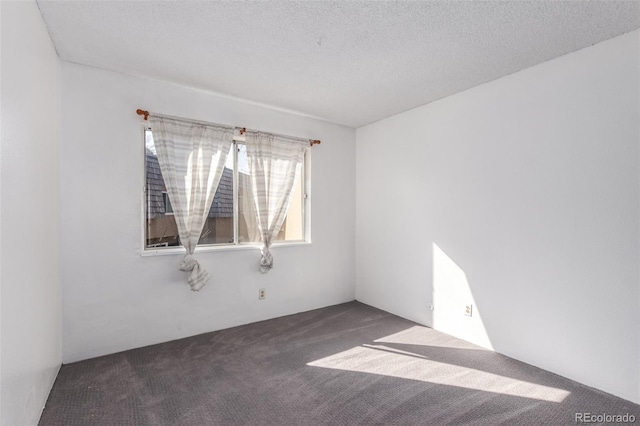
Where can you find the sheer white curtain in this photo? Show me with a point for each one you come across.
(274, 163)
(192, 158)
(247, 209)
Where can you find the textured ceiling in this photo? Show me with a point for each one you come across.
(347, 62)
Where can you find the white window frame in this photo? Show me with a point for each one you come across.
(305, 173)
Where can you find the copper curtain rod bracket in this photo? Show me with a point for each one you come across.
(314, 142)
(143, 112)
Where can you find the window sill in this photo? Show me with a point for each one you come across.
(213, 248)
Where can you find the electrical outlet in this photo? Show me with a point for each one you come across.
(262, 294)
(468, 310)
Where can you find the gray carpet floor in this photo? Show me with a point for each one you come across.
(349, 364)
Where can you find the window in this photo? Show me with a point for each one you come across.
(231, 220)
(167, 203)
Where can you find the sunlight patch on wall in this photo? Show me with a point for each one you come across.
(451, 294)
(389, 362)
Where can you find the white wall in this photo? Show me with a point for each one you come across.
(30, 306)
(520, 196)
(114, 299)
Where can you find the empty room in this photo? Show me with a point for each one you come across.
(319, 213)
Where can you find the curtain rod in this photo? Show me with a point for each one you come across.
(243, 130)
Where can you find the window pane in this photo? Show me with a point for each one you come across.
(218, 228)
(161, 229)
(292, 229)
